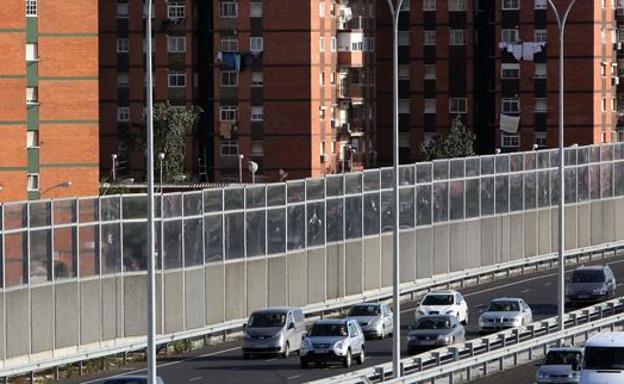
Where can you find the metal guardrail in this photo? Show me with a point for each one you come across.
(408, 291)
(458, 362)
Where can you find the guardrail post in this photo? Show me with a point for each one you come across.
(530, 354)
(468, 374)
(380, 372)
(450, 378)
(487, 344)
(501, 363)
(516, 333)
(531, 329)
(419, 364)
(436, 356)
(546, 325)
(470, 347)
(503, 339)
(573, 318)
(586, 315)
(57, 373)
(80, 369)
(32, 377)
(515, 359)
(485, 368)
(455, 352)
(402, 369)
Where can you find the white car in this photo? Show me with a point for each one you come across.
(444, 303)
(603, 361)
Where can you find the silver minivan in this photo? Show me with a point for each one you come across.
(339, 340)
(276, 330)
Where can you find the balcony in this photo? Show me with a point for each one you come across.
(350, 49)
(352, 59)
(354, 92)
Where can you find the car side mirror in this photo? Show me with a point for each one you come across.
(291, 326)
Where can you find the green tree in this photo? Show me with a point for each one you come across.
(171, 125)
(459, 142)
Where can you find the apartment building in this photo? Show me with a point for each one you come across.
(294, 87)
(182, 76)
(49, 101)
(494, 63)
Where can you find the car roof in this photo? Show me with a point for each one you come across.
(366, 304)
(442, 292)
(591, 268)
(607, 339)
(332, 321)
(274, 309)
(506, 299)
(565, 349)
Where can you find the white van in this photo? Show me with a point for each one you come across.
(603, 362)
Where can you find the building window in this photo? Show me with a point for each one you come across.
(257, 113)
(404, 140)
(458, 5)
(322, 78)
(228, 113)
(404, 72)
(122, 10)
(429, 38)
(257, 79)
(541, 105)
(228, 9)
(334, 44)
(322, 44)
(122, 45)
(540, 35)
(404, 106)
(405, 6)
(145, 9)
(32, 53)
(229, 79)
(430, 106)
(255, 9)
(458, 105)
(541, 4)
(176, 11)
(603, 69)
(332, 78)
(541, 140)
(541, 71)
(31, 8)
(510, 5)
(229, 148)
(429, 5)
(123, 114)
(510, 35)
(122, 79)
(177, 80)
(229, 45)
(257, 148)
(32, 95)
(371, 43)
(456, 37)
(510, 71)
(603, 107)
(322, 8)
(176, 44)
(32, 182)
(510, 141)
(32, 139)
(430, 72)
(256, 44)
(404, 38)
(145, 45)
(510, 105)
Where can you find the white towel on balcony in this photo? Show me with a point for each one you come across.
(509, 124)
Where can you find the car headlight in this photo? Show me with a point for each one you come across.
(543, 375)
(247, 336)
(444, 339)
(574, 375)
(306, 344)
(450, 312)
(338, 346)
(411, 338)
(420, 312)
(375, 323)
(599, 291)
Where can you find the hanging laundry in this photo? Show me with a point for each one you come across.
(219, 58)
(225, 130)
(509, 124)
(232, 60)
(530, 49)
(514, 49)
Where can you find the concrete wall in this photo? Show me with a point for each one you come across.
(68, 313)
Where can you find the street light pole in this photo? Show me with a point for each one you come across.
(561, 23)
(161, 158)
(240, 168)
(151, 277)
(114, 158)
(396, 328)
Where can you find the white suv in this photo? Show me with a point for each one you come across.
(444, 303)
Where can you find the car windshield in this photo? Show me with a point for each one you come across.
(504, 306)
(365, 310)
(267, 320)
(587, 276)
(563, 358)
(604, 358)
(434, 323)
(438, 300)
(329, 330)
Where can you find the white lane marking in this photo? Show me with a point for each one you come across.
(293, 377)
(548, 284)
(164, 365)
(270, 359)
(196, 378)
(525, 290)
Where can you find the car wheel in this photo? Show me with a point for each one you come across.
(286, 351)
(346, 362)
(246, 356)
(303, 363)
(362, 357)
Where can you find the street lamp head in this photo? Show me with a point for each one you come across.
(114, 156)
(161, 156)
(535, 147)
(497, 151)
(241, 156)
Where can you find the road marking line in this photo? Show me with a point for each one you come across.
(293, 377)
(196, 378)
(525, 291)
(548, 284)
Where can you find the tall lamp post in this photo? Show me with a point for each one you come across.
(114, 170)
(151, 278)
(161, 159)
(240, 168)
(561, 24)
(395, 10)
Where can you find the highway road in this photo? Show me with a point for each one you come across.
(223, 364)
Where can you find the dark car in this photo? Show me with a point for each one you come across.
(590, 284)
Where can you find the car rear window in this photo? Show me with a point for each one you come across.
(588, 276)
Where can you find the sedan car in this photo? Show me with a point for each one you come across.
(591, 284)
(562, 365)
(444, 303)
(505, 313)
(434, 331)
(375, 319)
(333, 341)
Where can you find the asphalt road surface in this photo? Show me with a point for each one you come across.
(223, 364)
